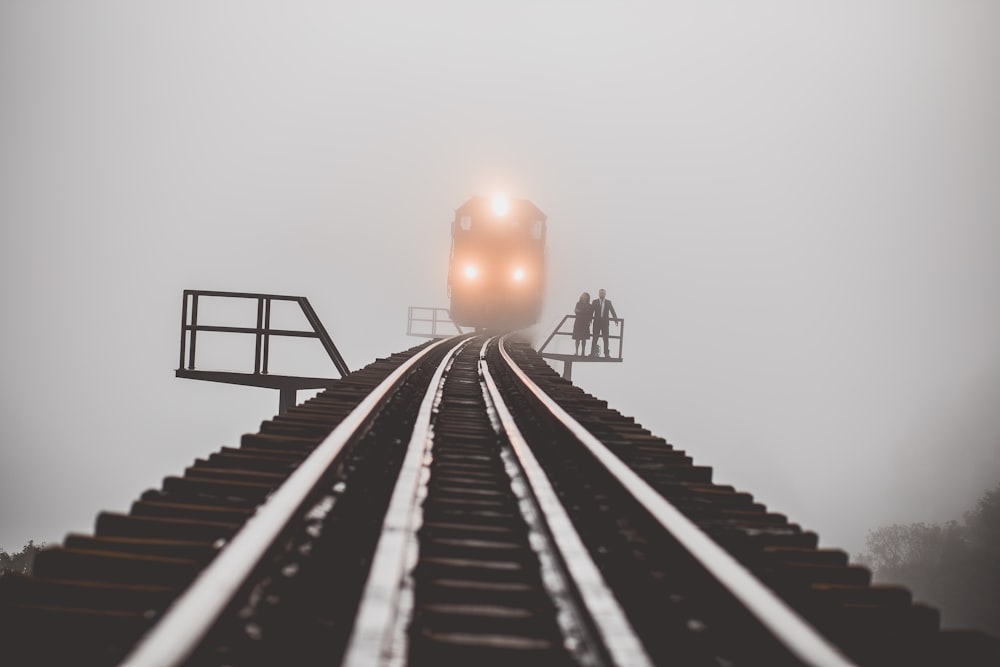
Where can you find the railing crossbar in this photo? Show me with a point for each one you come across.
(254, 330)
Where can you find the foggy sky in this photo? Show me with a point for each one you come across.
(796, 209)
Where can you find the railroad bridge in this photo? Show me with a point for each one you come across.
(458, 503)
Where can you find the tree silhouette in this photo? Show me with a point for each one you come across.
(20, 562)
(955, 567)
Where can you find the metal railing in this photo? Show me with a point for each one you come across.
(433, 315)
(263, 331)
(620, 336)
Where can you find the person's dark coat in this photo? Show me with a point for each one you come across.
(602, 312)
(601, 319)
(581, 325)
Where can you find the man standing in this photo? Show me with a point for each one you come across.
(603, 308)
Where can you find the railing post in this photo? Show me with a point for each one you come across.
(286, 400)
(194, 329)
(184, 318)
(267, 333)
(259, 335)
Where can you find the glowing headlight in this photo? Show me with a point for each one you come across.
(518, 275)
(471, 272)
(501, 205)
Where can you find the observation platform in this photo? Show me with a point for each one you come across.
(287, 385)
(590, 359)
(263, 380)
(614, 334)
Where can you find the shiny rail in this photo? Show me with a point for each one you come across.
(572, 580)
(191, 616)
(483, 564)
(617, 637)
(796, 635)
(378, 627)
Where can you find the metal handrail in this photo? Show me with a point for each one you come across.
(437, 316)
(620, 337)
(263, 330)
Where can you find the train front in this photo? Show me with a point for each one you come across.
(496, 274)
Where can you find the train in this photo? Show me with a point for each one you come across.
(496, 270)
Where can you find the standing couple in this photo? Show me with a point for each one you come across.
(598, 312)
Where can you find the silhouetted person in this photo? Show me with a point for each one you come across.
(602, 310)
(581, 325)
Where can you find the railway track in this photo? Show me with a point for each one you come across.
(458, 503)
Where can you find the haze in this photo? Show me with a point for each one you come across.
(796, 209)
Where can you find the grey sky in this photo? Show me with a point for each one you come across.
(796, 209)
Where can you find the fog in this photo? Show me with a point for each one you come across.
(796, 209)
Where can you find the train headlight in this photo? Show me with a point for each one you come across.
(518, 275)
(501, 205)
(471, 272)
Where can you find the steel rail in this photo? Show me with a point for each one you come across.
(788, 628)
(617, 636)
(186, 622)
(378, 629)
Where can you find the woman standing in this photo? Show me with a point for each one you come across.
(581, 327)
